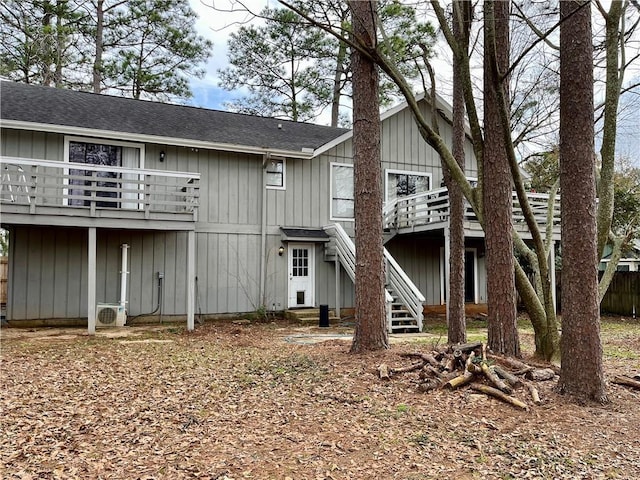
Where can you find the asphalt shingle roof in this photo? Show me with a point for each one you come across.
(40, 104)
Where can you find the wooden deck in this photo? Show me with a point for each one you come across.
(44, 192)
(430, 211)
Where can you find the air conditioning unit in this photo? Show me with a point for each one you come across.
(110, 315)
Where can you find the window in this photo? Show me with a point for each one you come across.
(275, 173)
(94, 154)
(402, 184)
(107, 154)
(342, 199)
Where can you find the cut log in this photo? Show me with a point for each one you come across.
(448, 363)
(474, 368)
(524, 371)
(494, 392)
(427, 357)
(461, 348)
(430, 385)
(435, 372)
(383, 372)
(509, 377)
(493, 378)
(460, 380)
(410, 368)
(534, 394)
(540, 374)
(509, 362)
(629, 382)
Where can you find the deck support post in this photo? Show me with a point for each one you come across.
(552, 269)
(447, 266)
(91, 281)
(337, 268)
(191, 279)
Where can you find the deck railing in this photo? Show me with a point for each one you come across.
(432, 207)
(46, 183)
(399, 282)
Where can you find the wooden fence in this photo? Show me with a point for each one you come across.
(4, 274)
(623, 296)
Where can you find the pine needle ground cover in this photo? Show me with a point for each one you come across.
(244, 401)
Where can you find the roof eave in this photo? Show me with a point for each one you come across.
(138, 137)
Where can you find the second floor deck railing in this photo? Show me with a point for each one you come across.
(46, 183)
(432, 208)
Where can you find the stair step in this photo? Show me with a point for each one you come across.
(404, 327)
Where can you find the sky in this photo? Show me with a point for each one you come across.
(216, 25)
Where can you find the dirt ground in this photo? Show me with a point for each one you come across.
(268, 401)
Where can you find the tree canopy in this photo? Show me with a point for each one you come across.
(140, 48)
(290, 70)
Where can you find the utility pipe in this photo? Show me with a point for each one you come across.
(123, 275)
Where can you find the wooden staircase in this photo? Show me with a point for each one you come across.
(401, 320)
(404, 302)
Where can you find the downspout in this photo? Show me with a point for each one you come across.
(263, 229)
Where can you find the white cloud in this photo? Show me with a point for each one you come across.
(217, 19)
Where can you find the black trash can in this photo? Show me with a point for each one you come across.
(324, 315)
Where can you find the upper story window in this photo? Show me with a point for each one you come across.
(117, 192)
(401, 183)
(342, 198)
(275, 171)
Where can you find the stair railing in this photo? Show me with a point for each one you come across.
(406, 291)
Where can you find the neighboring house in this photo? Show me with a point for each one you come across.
(630, 262)
(210, 212)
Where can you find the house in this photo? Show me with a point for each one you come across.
(630, 261)
(117, 205)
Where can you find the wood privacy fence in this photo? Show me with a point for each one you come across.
(623, 296)
(4, 274)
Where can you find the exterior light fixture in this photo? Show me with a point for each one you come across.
(162, 155)
(281, 250)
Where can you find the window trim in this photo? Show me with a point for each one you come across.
(331, 215)
(388, 171)
(284, 174)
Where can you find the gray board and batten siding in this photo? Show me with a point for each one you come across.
(228, 230)
(49, 266)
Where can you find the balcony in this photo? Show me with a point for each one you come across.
(45, 192)
(430, 211)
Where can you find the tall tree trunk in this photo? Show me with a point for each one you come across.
(610, 123)
(581, 350)
(337, 83)
(46, 41)
(371, 328)
(456, 321)
(97, 63)
(502, 326)
(60, 45)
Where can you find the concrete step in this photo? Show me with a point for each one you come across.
(316, 320)
(311, 316)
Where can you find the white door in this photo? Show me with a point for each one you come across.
(301, 275)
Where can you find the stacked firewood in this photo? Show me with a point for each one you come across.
(469, 364)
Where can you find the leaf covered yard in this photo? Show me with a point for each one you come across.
(260, 401)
